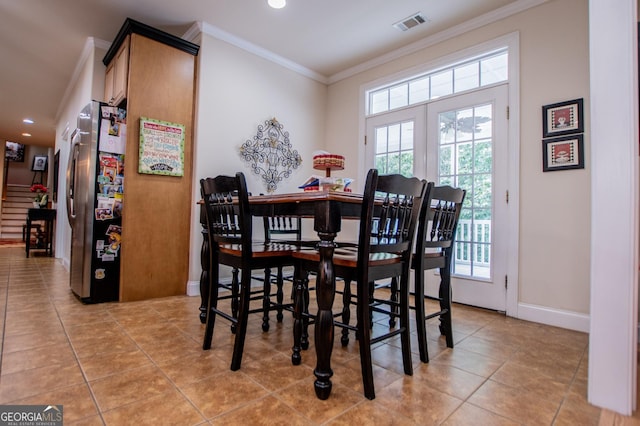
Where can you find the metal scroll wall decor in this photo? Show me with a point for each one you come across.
(270, 154)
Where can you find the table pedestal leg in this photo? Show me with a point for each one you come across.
(325, 290)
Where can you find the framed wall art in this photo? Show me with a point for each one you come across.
(563, 118)
(562, 153)
(39, 163)
(14, 151)
(161, 147)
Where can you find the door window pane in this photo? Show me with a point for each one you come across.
(465, 160)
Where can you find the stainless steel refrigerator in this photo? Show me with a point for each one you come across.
(95, 197)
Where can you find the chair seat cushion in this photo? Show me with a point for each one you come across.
(348, 257)
(272, 249)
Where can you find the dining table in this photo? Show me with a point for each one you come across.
(327, 208)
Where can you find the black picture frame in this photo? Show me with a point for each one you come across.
(563, 153)
(56, 170)
(563, 118)
(39, 163)
(14, 151)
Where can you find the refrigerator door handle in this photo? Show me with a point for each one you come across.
(71, 175)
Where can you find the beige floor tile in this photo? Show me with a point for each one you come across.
(76, 401)
(515, 404)
(448, 379)
(470, 415)
(193, 368)
(107, 364)
(128, 387)
(370, 413)
(263, 412)
(222, 393)
(22, 384)
(422, 404)
(57, 354)
(168, 409)
(301, 396)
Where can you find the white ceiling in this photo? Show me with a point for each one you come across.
(41, 41)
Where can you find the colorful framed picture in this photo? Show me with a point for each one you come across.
(563, 118)
(562, 153)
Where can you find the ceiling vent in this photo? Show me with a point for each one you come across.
(410, 22)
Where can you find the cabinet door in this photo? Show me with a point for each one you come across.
(108, 83)
(117, 76)
(121, 73)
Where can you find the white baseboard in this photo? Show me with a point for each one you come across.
(555, 317)
(193, 288)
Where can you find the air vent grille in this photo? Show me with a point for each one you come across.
(410, 22)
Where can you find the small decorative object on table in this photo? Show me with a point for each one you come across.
(325, 161)
(41, 195)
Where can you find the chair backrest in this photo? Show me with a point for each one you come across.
(226, 205)
(391, 204)
(439, 217)
(282, 225)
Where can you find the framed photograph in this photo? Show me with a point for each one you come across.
(14, 151)
(39, 163)
(562, 153)
(56, 170)
(563, 118)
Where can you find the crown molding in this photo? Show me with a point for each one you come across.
(225, 36)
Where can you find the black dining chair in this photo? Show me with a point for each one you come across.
(434, 250)
(437, 227)
(229, 227)
(390, 208)
(282, 230)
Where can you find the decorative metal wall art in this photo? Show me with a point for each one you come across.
(270, 154)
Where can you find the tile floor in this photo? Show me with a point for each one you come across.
(142, 363)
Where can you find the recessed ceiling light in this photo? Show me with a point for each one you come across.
(277, 4)
(28, 121)
(26, 134)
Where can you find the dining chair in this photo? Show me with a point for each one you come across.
(282, 230)
(390, 208)
(229, 228)
(434, 250)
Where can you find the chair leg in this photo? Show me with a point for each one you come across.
(393, 308)
(346, 311)
(212, 303)
(364, 338)
(235, 284)
(266, 299)
(421, 327)
(298, 307)
(279, 294)
(304, 343)
(446, 326)
(243, 316)
(405, 336)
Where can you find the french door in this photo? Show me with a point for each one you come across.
(459, 141)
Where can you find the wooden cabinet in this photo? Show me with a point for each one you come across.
(156, 214)
(117, 75)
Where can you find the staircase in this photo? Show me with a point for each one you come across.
(14, 211)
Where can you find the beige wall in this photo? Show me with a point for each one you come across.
(554, 207)
(237, 91)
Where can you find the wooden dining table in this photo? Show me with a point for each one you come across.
(327, 208)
